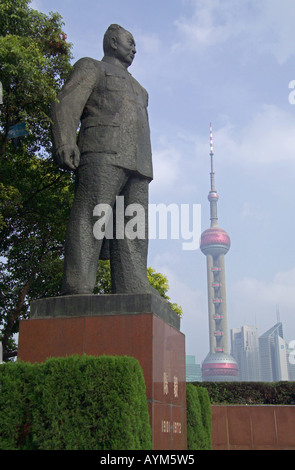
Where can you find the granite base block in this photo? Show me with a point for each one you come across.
(89, 305)
(142, 326)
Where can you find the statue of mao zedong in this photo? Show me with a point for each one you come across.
(111, 157)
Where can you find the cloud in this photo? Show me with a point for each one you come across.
(148, 63)
(251, 211)
(166, 164)
(149, 44)
(266, 139)
(278, 28)
(211, 23)
(36, 4)
(262, 299)
(261, 27)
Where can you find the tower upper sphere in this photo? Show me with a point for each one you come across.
(215, 241)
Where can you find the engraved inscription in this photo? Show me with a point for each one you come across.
(176, 427)
(165, 383)
(175, 387)
(165, 426)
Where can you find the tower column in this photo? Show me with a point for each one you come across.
(211, 308)
(224, 308)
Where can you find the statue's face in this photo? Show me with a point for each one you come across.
(125, 48)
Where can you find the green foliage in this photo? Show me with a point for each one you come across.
(34, 61)
(198, 418)
(74, 403)
(250, 393)
(103, 278)
(35, 196)
(160, 282)
(157, 280)
(16, 384)
(32, 236)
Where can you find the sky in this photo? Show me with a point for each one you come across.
(229, 62)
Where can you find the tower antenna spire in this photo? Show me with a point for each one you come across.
(211, 156)
(211, 140)
(213, 196)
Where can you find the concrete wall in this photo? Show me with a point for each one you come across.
(260, 427)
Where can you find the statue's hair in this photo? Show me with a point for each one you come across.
(110, 33)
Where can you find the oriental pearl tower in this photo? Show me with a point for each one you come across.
(219, 365)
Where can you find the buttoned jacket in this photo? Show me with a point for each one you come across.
(111, 108)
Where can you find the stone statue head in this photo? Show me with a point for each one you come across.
(119, 43)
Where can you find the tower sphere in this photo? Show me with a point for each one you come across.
(213, 196)
(215, 241)
(219, 367)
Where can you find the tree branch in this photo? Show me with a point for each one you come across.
(43, 188)
(15, 314)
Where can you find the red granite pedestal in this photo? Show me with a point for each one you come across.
(142, 326)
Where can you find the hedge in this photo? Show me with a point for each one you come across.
(250, 393)
(198, 418)
(74, 403)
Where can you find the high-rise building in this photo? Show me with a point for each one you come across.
(219, 365)
(291, 361)
(193, 370)
(273, 355)
(245, 349)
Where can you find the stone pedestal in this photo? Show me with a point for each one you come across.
(142, 325)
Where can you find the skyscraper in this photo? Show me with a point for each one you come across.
(193, 370)
(245, 349)
(219, 365)
(273, 355)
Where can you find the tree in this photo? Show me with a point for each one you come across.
(34, 61)
(156, 280)
(160, 282)
(35, 196)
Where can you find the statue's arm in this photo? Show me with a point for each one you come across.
(67, 110)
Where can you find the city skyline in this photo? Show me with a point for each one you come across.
(231, 65)
(264, 357)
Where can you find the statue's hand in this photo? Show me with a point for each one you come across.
(68, 157)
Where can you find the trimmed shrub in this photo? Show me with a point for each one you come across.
(205, 412)
(198, 418)
(16, 381)
(250, 393)
(76, 403)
